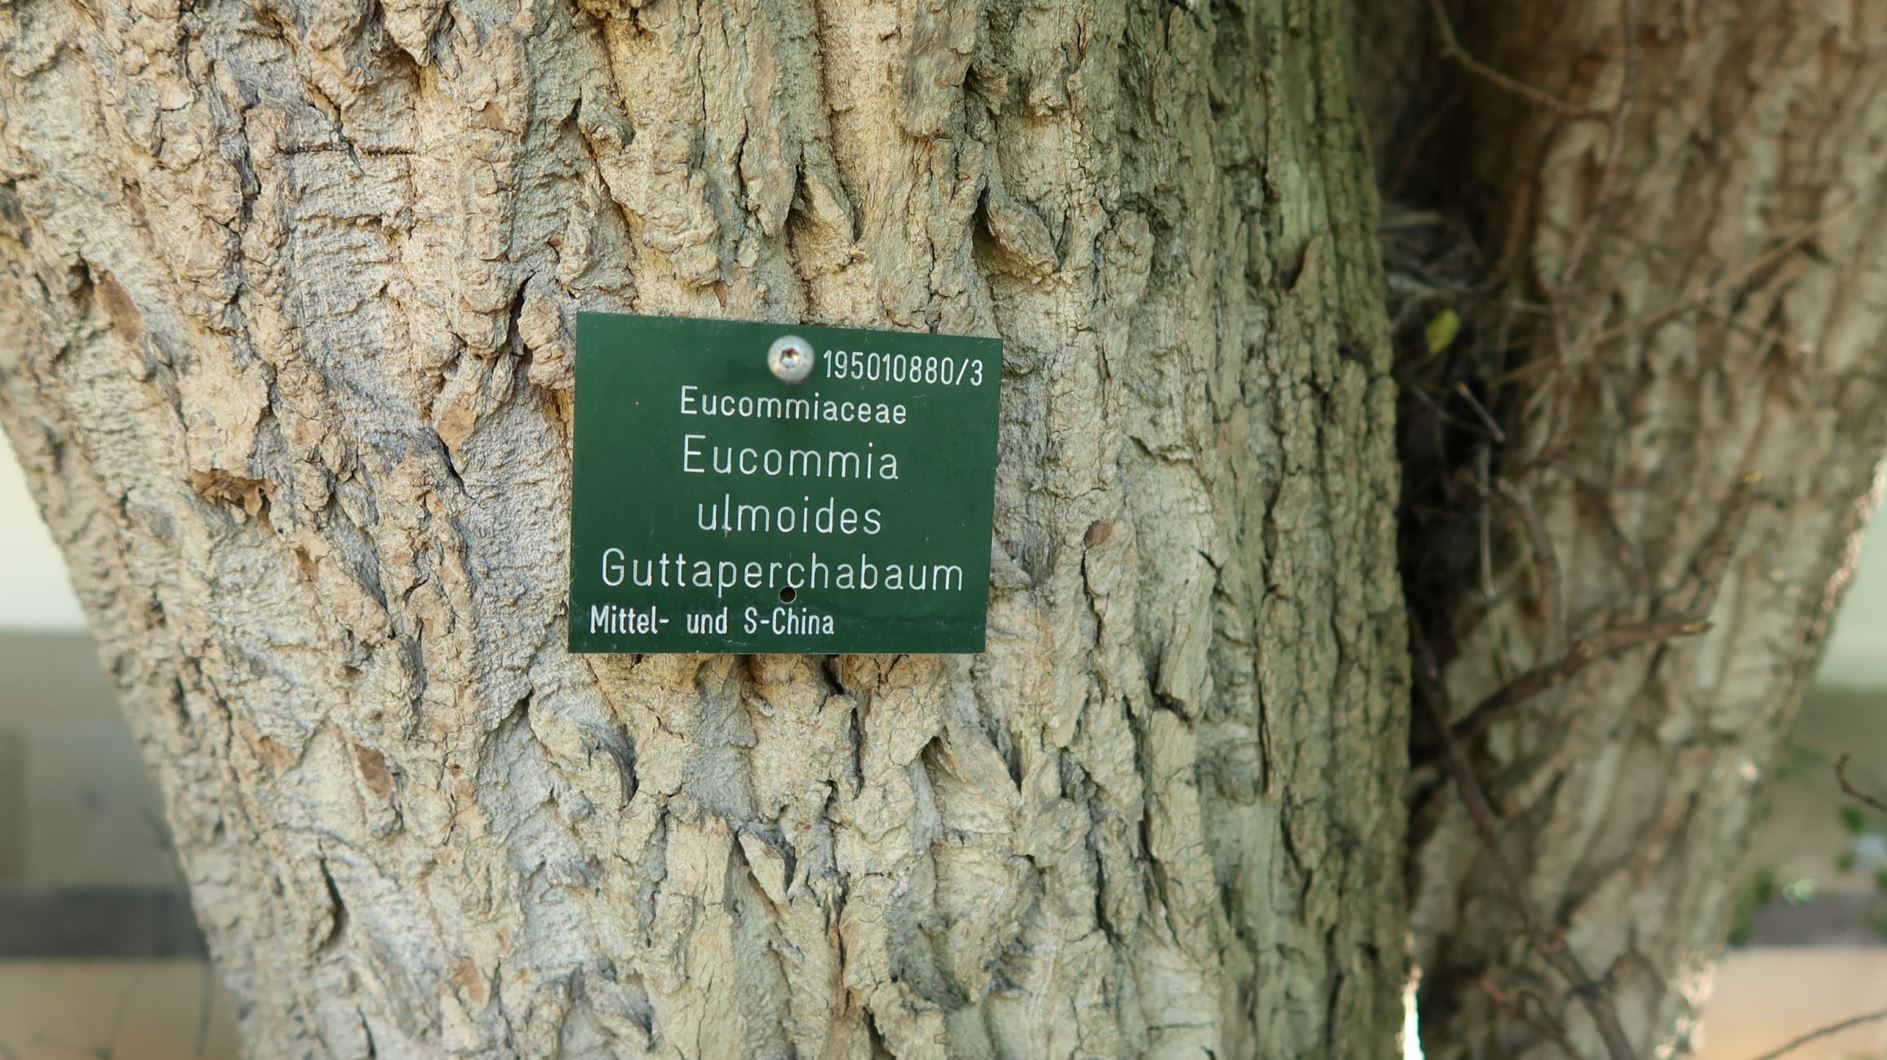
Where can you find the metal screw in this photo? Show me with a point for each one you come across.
(790, 359)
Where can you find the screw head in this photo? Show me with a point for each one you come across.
(790, 359)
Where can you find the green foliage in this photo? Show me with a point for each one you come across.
(1757, 895)
(1853, 820)
(1764, 887)
(1795, 761)
(1441, 331)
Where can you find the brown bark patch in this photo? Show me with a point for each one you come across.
(117, 304)
(249, 494)
(373, 771)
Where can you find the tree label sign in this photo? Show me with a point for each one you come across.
(747, 487)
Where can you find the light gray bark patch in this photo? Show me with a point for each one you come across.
(940, 38)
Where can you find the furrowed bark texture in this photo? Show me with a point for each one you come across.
(289, 289)
(1693, 421)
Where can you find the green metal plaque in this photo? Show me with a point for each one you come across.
(722, 505)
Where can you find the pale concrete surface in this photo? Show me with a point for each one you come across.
(123, 1010)
(1766, 997)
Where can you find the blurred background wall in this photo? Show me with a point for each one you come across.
(99, 954)
(1809, 934)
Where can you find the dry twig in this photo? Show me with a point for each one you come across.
(1451, 47)
(1487, 419)
(1852, 792)
(1593, 996)
(1712, 564)
(1584, 652)
(1707, 576)
(1714, 561)
(1824, 1032)
(1735, 279)
(1543, 1025)
(1614, 152)
(1545, 562)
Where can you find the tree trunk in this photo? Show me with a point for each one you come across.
(291, 287)
(1692, 202)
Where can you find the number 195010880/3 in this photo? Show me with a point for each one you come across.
(875, 367)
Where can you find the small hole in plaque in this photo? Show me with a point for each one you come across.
(788, 595)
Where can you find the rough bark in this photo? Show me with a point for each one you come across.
(289, 290)
(1690, 257)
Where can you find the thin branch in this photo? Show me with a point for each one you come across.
(1487, 420)
(1442, 415)
(1736, 278)
(1614, 151)
(1772, 338)
(1714, 562)
(1451, 47)
(1543, 1025)
(1592, 995)
(1545, 562)
(1825, 1032)
(1481, 461)
(1852, 792)
(1411, 152)
(1629, 557)
(1584, 652)
(1560, 289)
